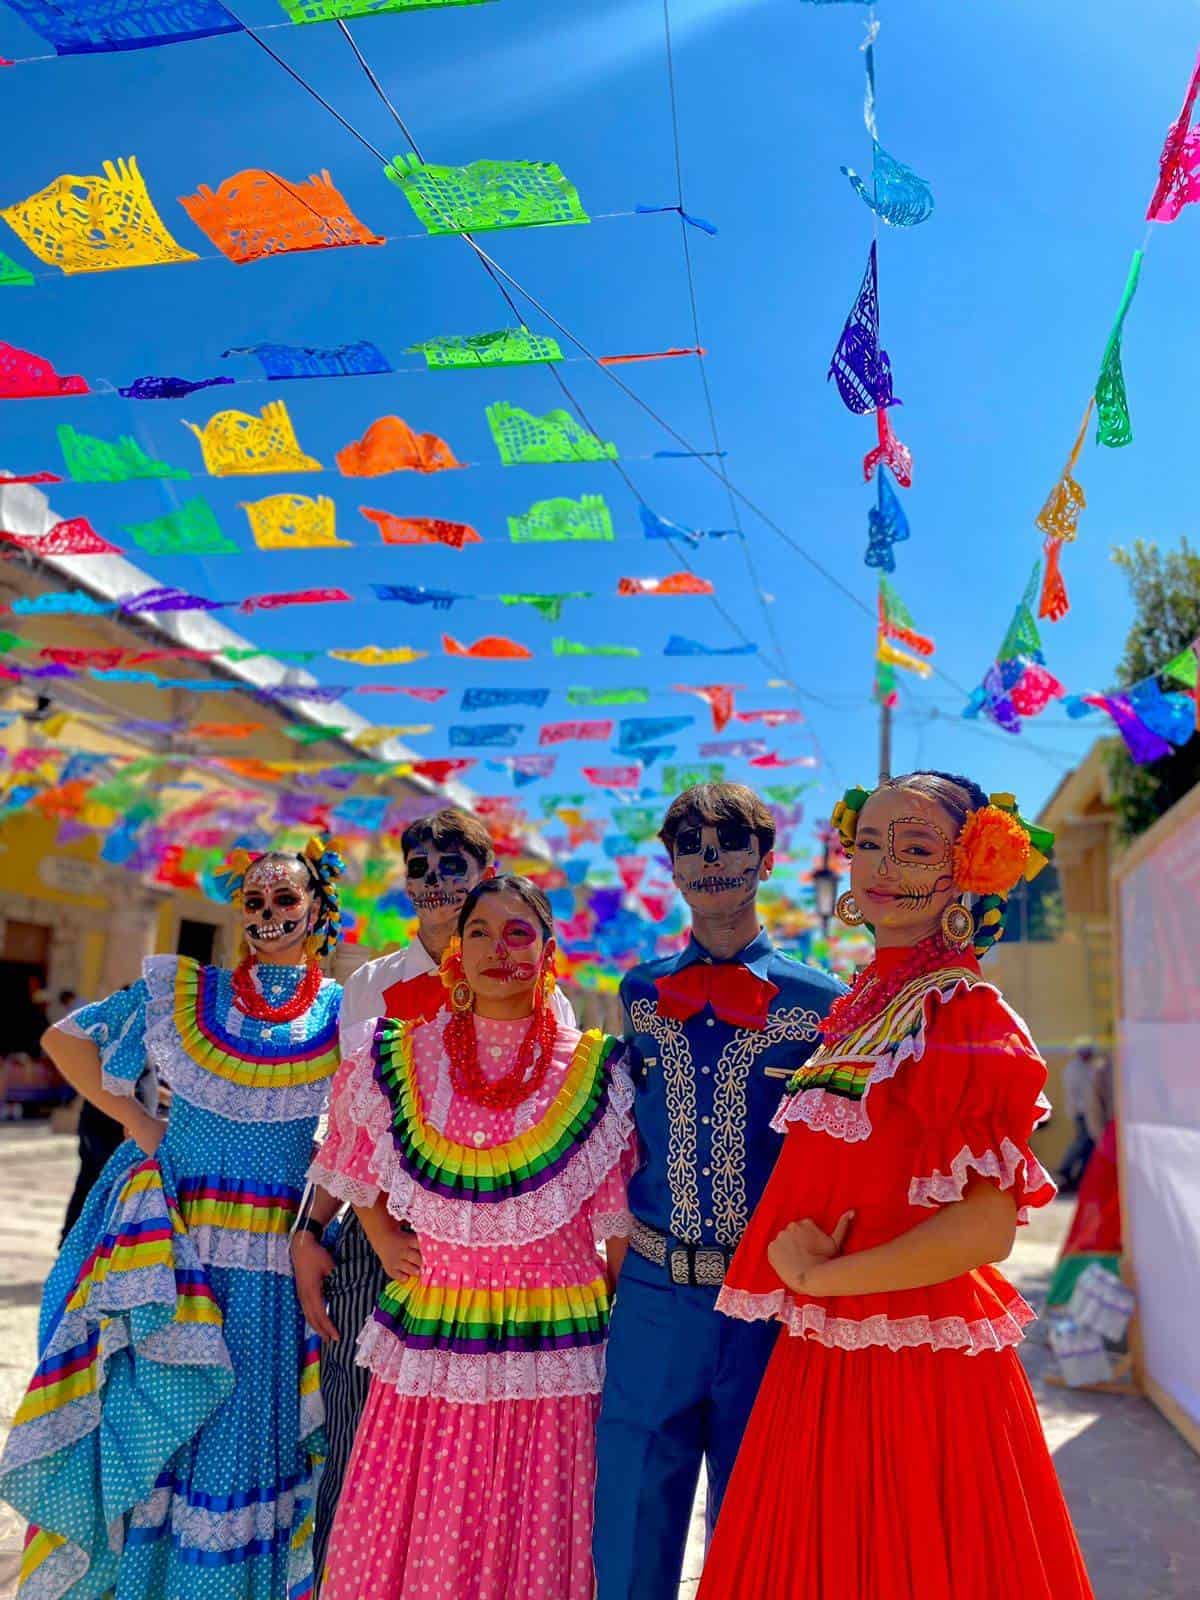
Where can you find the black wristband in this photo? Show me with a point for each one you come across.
(311, 1225)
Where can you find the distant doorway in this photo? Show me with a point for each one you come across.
(196, 940)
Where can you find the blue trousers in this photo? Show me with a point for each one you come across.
(681, 1383)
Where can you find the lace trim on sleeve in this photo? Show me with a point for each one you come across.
(612, 1224)
(354, 1191)
(1010, 1167)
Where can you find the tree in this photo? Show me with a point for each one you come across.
(1165, 587)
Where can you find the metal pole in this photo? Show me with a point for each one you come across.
(885, 742)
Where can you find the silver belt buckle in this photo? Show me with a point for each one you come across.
(698, 1266)
(710, 1268)
(680, 1266)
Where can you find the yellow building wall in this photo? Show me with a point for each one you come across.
(1063, 990)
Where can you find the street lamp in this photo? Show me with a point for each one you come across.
(825, 881)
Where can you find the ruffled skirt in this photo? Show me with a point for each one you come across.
(444, 1501)
(161, 1448)
(894, 1475)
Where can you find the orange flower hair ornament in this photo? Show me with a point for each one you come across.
(992, 852)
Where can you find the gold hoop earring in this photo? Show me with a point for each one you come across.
(958, 925)
(461, 996)
(849, 911)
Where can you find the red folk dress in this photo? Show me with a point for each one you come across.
(895, 1450)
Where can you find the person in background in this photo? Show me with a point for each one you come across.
(339, 1277)
(1101, 1100)
(1077, 1095)
(713, 1033)
(504, 1137)
(63, 1003)
(97, 1134)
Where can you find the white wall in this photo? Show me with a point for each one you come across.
(1159, 1063)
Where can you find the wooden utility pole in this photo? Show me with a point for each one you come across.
(885, 741)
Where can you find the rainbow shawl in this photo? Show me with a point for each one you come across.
(830, 1090)
(135, 1336)
(514, 1192)
(264, 1072)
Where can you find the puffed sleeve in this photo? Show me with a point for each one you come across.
(980, 1088)
(117, 1027)
(357, 1116)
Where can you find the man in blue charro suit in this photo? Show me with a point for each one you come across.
(714, 1032)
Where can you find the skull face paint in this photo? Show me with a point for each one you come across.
(440, 880)
(718, 867)
(504, 949)
(279, 910)
(902, 869)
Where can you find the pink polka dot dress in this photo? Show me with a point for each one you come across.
(473, 1469)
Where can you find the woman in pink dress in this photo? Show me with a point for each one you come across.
(505, 1140)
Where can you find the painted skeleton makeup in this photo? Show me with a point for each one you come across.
(902, 869)
(279, 906)
(917, 847)
(511, 954)
(440, 880)
(716, 859)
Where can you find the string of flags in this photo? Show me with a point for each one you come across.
(1018, 683)
(861, 370)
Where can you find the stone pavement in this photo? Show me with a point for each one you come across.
(1132, 1483)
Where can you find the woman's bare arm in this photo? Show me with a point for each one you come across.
(977, 1229)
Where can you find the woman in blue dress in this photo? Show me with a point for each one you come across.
(164, 1448)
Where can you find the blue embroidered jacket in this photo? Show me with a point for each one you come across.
(706, 1092)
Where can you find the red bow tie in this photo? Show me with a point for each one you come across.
(733, 992)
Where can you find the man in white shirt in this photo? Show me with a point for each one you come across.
(1077, 1088)
(445, 855)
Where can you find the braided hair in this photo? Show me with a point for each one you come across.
(960, 796)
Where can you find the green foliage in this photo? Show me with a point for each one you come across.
(1035, 913)
(1165, 587)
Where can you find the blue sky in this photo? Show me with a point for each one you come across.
(1039, 127)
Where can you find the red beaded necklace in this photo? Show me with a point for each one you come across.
(870, 993)
(253, 1003)
(522, 1079)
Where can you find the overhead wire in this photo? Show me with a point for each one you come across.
(702, 365)
(506, 282)
(498, 277)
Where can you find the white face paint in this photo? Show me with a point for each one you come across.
(279, 910)
(718, 867)
(439, 882)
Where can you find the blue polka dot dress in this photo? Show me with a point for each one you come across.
(165, 1447)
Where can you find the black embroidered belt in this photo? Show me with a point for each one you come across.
(697, 1266)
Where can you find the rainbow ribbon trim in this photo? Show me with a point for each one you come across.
(274, 1059)
(520, 1165)
(845, 1068)
(468, 1321)
(133, 1246)
(262, 1208)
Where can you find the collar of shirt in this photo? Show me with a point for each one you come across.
(755, 956)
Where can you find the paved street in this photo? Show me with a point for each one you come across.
(1133, 1485)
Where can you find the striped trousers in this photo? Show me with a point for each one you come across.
(351, 1291)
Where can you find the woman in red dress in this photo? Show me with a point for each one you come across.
(895, 1450)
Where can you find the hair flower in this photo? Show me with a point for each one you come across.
(992, 852)
(845, 816)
